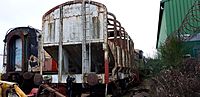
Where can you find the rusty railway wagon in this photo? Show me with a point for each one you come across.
(20, 53)
(93, 52)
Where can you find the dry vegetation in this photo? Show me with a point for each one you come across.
(182, 82)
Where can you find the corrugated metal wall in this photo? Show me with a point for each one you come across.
(163, 30)
(173, 15)
(176, 11)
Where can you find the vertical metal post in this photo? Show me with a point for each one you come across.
(90, 53)
(90, 59)
(84, 52)
(128, 48)
(4, 54)
(106, 90)
(106, 60)
(60, 46)
(40, 53)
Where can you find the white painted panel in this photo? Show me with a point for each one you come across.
(45, 30)
(72, 24)
(57, 22)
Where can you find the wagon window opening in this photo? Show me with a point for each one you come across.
(18, 54)
(15, 54)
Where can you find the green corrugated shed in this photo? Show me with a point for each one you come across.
(172, 13)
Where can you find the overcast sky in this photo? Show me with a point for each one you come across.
(138, 17)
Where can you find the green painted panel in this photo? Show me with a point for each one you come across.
(191, 48)
(168, 17)
(163, 36)
(175, 19)
(170, 7)
(181, 10)
(174, 13)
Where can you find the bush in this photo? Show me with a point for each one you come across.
(172, 52)
(182, 82)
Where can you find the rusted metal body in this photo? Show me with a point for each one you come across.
(21, 49)
(72, 25)
(48, 91)
(121, 46)
(89, 44)
(107, 38)
(22, 60)
(91, 51)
